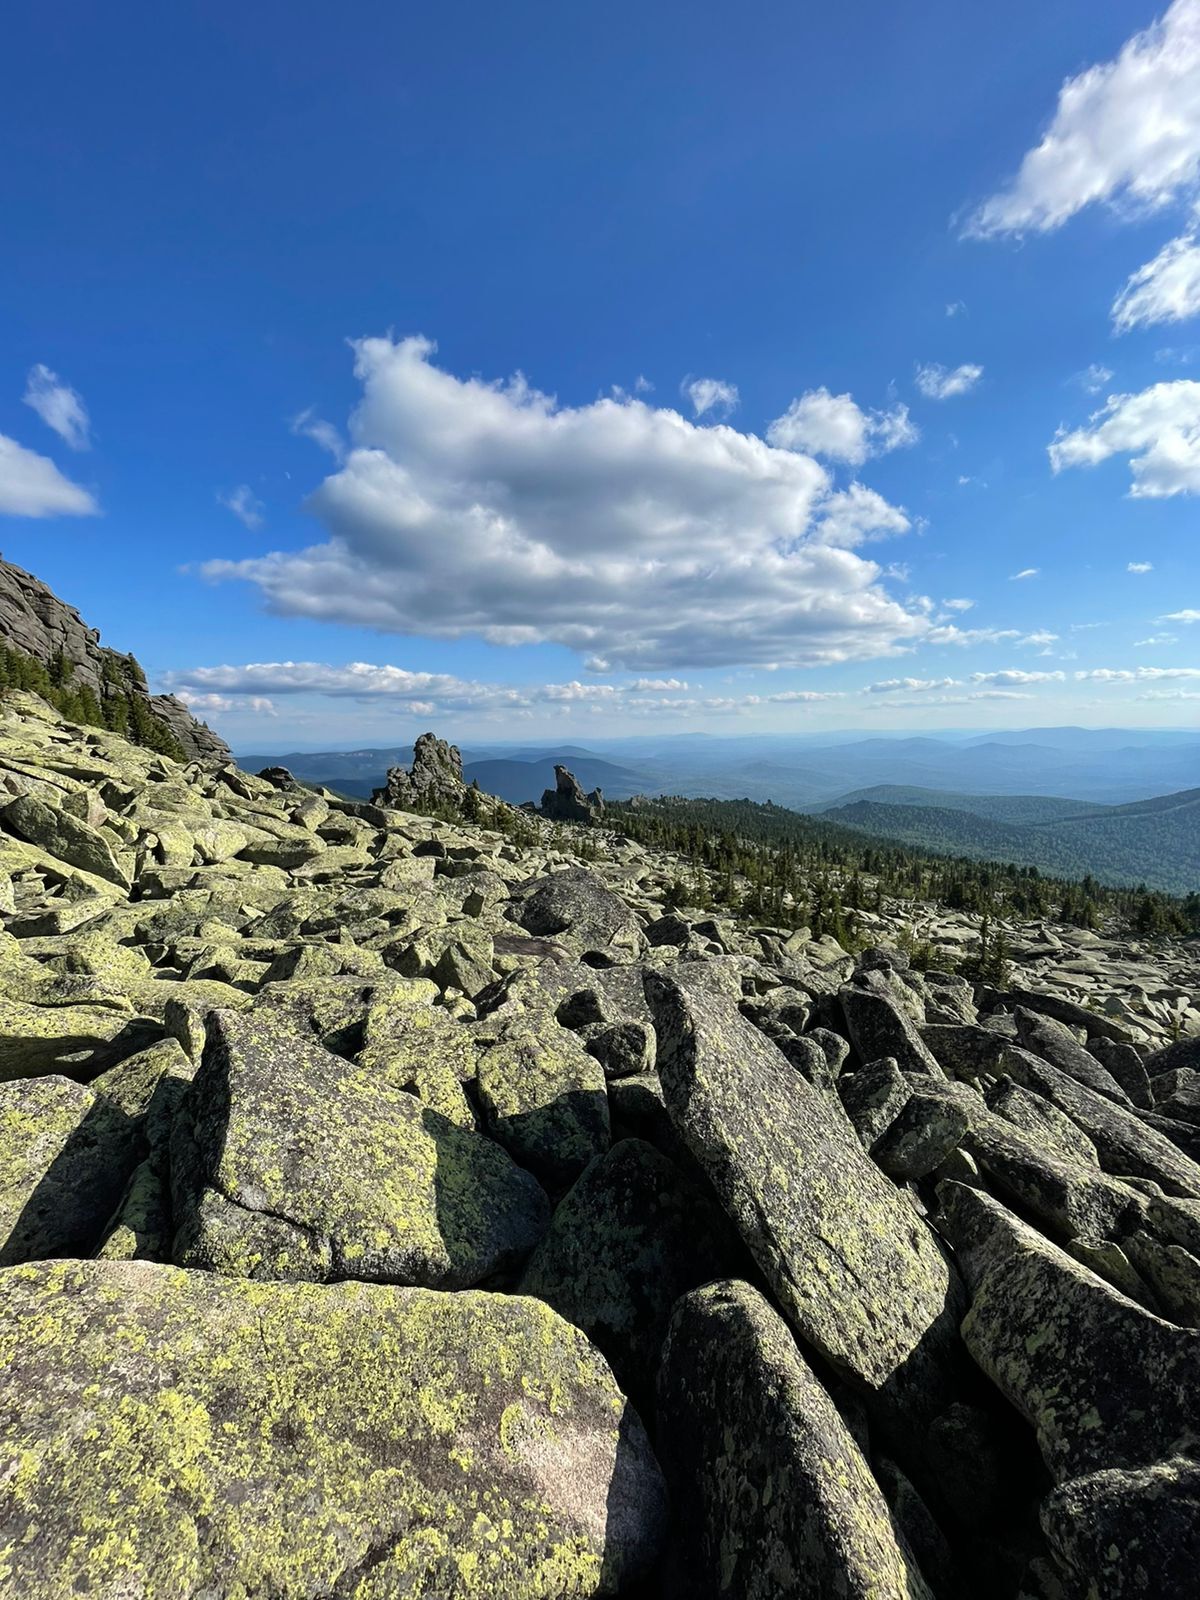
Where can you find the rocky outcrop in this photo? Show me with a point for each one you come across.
(40, 626)
(434, 784)
(404, 1162)
(566, 802)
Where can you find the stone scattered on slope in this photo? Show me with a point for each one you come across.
(857, 1273)
(292, 1163)
(772, 1498)
(305, 1441)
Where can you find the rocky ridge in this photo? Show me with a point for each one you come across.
(399, 1206)
(43, 628)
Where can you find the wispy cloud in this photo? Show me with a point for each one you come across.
(1166, 289)
(307, 425)
(943, 383)
(59, 406)
(245, 505)
(1025, 572)
(710, 394)
(1140, 566)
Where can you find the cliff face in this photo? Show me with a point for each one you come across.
(34, 621)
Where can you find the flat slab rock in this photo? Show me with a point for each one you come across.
(174, 1435)
(293, 1163)
(858, 1274)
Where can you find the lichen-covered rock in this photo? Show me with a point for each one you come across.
(577, 910)
(630, 1237)
(921, 1137)
(542, 1097)
(65, 1156)
(859, 1276)
(179, 1436)
(879, 1027)
(873, 1097)
(294, 1163)
(1055, 1042)
(1130, 1535)
(76, 1041)
(63, 836)
(771, 1496)
(1102, 1381)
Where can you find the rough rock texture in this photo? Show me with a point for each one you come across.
(35, 621)
(414, 1036)
(292, 1163)
(771, 1495)
(631, 1236)
(566, 802)
(858, 1275)
(298, 1441)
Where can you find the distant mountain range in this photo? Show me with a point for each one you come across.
(1121, 804)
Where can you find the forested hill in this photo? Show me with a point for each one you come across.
(818, 862)
(1156, 842)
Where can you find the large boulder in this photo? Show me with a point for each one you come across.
(771, 1496)
(630, 1237)
(1130, 1535)
(1102, 1381)
(63, 836)
(294, 1163)
(66, 1154)
(543, 1098)
(857, 1273)
(179, 1436)
(578, 911)
(878, 1026)
(566, 802)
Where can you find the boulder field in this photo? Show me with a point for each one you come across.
(396, 1205)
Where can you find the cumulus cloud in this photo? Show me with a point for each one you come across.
(943, 383)
(836, 427)
(617, 529)
(59, 406)
(245, 505)
(1025, 572)
(1125, 129)
(1166, 289)
(789, 697)
(1187, 615)
(710, 394)
(254, 705)
(958, 605)
(32, 486)
(1158, 429)
(1042, 636)
(1140, 566)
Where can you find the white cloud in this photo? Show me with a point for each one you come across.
(1092, 379)
(1042, 637)
(307, 425)
(1158, 429)
(1170, 694)
(958, 605)
(1180, 616)
(1166, 289)
(1155, 639)
(245, 505)
(1140, 566)
(1014, 677)
(836, 427)
(657, 685)
(616, 529)
(956, 308)
(942, 383)
(1135, 674)
(59, 406)
(255, 705)
(856, 515)
(912, 685)
(1129, 128)
(788, 697)
(32, 486)
(710, 394)
(1025, 572)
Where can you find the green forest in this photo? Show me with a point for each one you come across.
(123, 708)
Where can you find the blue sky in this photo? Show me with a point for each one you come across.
(548, 371)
